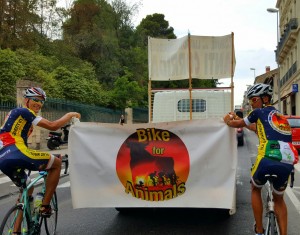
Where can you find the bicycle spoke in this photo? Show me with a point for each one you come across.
(14, 221)
(51, 222)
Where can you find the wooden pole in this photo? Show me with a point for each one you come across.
(232, 73)
(190, 77)
(150, 116)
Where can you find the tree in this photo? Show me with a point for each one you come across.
(76, 87)
(154, 26)
(90, 30)
(11, 70)
(127, 93)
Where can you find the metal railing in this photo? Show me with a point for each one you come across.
(55, 108)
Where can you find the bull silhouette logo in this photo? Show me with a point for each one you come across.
(151, 167)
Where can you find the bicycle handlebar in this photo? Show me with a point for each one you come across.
(74, 120)
(65, 159)
(292, 178)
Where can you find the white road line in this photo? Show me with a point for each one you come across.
(297, 167)
(64, 185)
(293, 198)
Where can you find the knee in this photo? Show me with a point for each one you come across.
(255, 189)
(56, 163)
(278, 198)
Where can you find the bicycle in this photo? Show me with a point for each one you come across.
(30, 221)
(272, 227)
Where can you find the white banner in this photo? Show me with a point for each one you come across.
(175, 164)
(211, 58)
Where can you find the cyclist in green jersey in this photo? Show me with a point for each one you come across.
(276, 154)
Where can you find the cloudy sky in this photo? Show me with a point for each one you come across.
(255, 30)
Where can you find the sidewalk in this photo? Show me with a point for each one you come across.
(63, 150)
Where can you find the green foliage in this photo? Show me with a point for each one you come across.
(126, 93)
(79, 86)
(34, 63)
(11, 70)
(101, 59)
(154, 26)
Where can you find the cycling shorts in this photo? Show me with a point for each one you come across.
(265, 166)
(17, 156)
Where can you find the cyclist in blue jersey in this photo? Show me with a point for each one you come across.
(276, 154)
(15, 156)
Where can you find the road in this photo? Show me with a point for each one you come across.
(105, 221)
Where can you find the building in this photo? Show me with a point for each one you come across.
(287, 55)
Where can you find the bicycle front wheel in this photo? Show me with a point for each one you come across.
(51, 222)
(14, 221)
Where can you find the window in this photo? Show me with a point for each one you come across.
(198, 105)
(294, 122)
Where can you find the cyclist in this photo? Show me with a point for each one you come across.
(15, 156)
(276, 154)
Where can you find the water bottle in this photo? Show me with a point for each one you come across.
(38, 202)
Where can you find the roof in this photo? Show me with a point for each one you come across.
(267, 77)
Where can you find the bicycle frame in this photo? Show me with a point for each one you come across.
(32, 221)
(20, 217)
(272, 226)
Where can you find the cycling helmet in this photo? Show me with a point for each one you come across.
(259, 89)
(35, 91)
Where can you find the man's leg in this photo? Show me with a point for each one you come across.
(281, 213)
(257, 206)
(52, 180)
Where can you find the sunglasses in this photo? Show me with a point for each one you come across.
(37, 100)
(253, 100)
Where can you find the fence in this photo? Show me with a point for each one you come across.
(140, 115)
(55, 108)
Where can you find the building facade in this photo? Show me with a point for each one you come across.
(285, 79)
(287, 56)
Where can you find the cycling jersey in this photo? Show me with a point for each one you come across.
(274, 133)
(18, 126)
(14, 152)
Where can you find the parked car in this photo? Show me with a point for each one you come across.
(294, 122)
(240, 131)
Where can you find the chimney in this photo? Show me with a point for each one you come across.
(268, 69)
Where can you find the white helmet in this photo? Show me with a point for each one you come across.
(35, 92)
(259, 89)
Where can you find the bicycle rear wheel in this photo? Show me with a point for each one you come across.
(51, 222)
(14, 221)
(272, 226)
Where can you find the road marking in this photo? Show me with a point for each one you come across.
(64, 185)
(293, 198)
(297, 167)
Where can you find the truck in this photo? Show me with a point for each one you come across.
(174, 105)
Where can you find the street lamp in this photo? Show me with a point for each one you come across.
(253, 73)
(274, 10)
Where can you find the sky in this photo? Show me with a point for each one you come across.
(254, 28)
